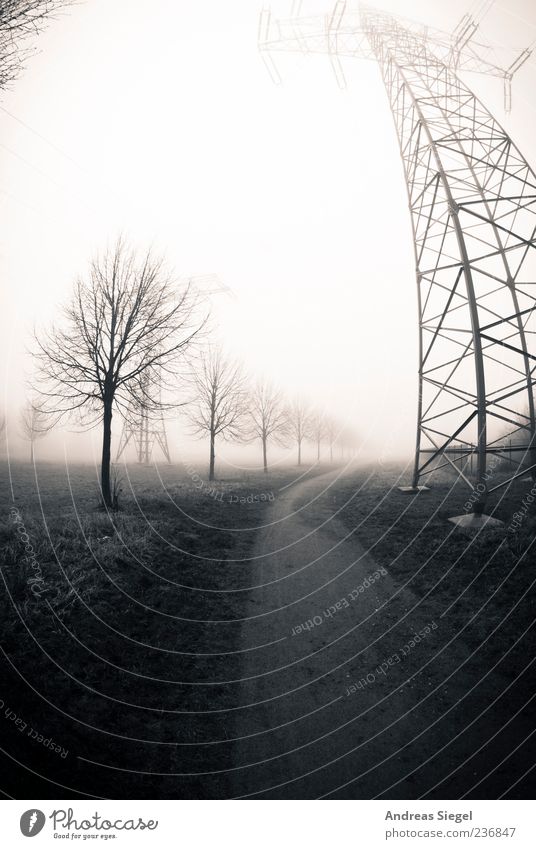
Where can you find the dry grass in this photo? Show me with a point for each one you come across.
(126, 623)
(126, 656)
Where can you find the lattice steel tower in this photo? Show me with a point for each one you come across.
(144, 425)
(144, 428)
(472, 198)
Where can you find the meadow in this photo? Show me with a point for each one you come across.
(137, 605)
(121, 635)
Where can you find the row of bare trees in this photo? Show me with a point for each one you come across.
(130, 337)
(225, 407)
(128, 332)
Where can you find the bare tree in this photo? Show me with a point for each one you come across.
(348, 442)
(220, 401)
(317, 430)
(268, 417)
(21, 20)
(123, 337)
(34, 424)
(332, 430)
(299, 423)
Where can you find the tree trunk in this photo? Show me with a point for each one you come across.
(106, 455)
(299, 452)
(212, 456)
(31, 451)
(264, 455)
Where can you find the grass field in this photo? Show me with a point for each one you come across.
(483, 588)
(163, 572)
(412, 537)
(122, 633)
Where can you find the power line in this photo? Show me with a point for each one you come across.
(84, 170)
(48, 177)
(44, 139)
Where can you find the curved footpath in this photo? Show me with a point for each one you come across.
(342, 645)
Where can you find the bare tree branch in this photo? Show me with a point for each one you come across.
(220, 400)
(332, 431)
(318, 430)
(34, 424)
(20, 21)
(268, 417)
(121, 342)
(299, 423)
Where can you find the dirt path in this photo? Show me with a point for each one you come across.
(336, 618)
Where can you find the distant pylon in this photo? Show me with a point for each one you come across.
(143, 431)
(143, 425)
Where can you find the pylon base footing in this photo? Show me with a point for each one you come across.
(476, 522)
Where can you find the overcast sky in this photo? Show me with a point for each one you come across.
(159, 120)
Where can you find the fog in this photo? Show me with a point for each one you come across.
(160, 121)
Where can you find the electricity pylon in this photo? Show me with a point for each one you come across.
(472, 199)
(144, 429)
